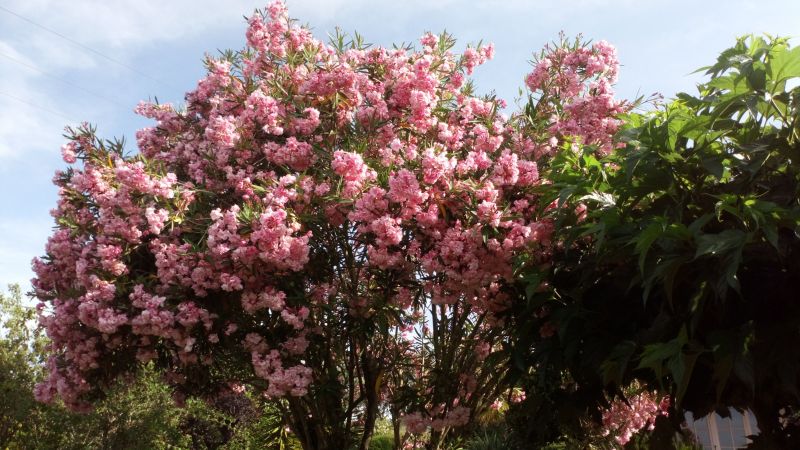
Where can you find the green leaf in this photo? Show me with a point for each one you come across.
(784, 64)
(724, 345)
(674, 127)
(771, 233)
(715, 244)
(604, 199)
(757, 78)
(613, 368)
(666, 271)
(530, 289)
(677, 231)
(714, 166)
(731, 265)
(682, 378)
(697, 225)
(645, 240)
(654, 356)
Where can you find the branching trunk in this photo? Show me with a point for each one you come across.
(398, 442)
(372, 373)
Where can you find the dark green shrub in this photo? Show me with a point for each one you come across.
(682, 275)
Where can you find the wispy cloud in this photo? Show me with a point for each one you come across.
(23, 239)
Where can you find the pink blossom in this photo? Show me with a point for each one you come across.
(436, 166)
(222, 132)
(623, 419)
(350, 166)
(156, 219)
(269, 298)
(68, 152)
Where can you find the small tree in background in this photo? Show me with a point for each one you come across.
(18, 362)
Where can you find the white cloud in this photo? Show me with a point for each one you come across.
(16, 139)
(125, 23)
(9, 51)
(22, 240)
(24, 127)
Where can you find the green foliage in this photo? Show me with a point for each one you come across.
(487, 440)
(139, 416)
(17, 359)
(683, 274)
(381, 441)
(493, 435)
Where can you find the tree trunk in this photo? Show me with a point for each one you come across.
(372, 371)
(312, 431)
(396, 428)
(435, 440)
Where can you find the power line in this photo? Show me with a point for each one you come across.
(34, 105)
(67, 82)
(83, 46)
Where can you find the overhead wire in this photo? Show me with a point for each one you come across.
(83, 46)
(37, 106)
(62, 80)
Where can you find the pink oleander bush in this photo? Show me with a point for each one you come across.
(334, 226)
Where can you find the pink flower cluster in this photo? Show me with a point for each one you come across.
(417, 423)
(624, 419)
(582, 77)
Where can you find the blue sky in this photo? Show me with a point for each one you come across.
(47, 82)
